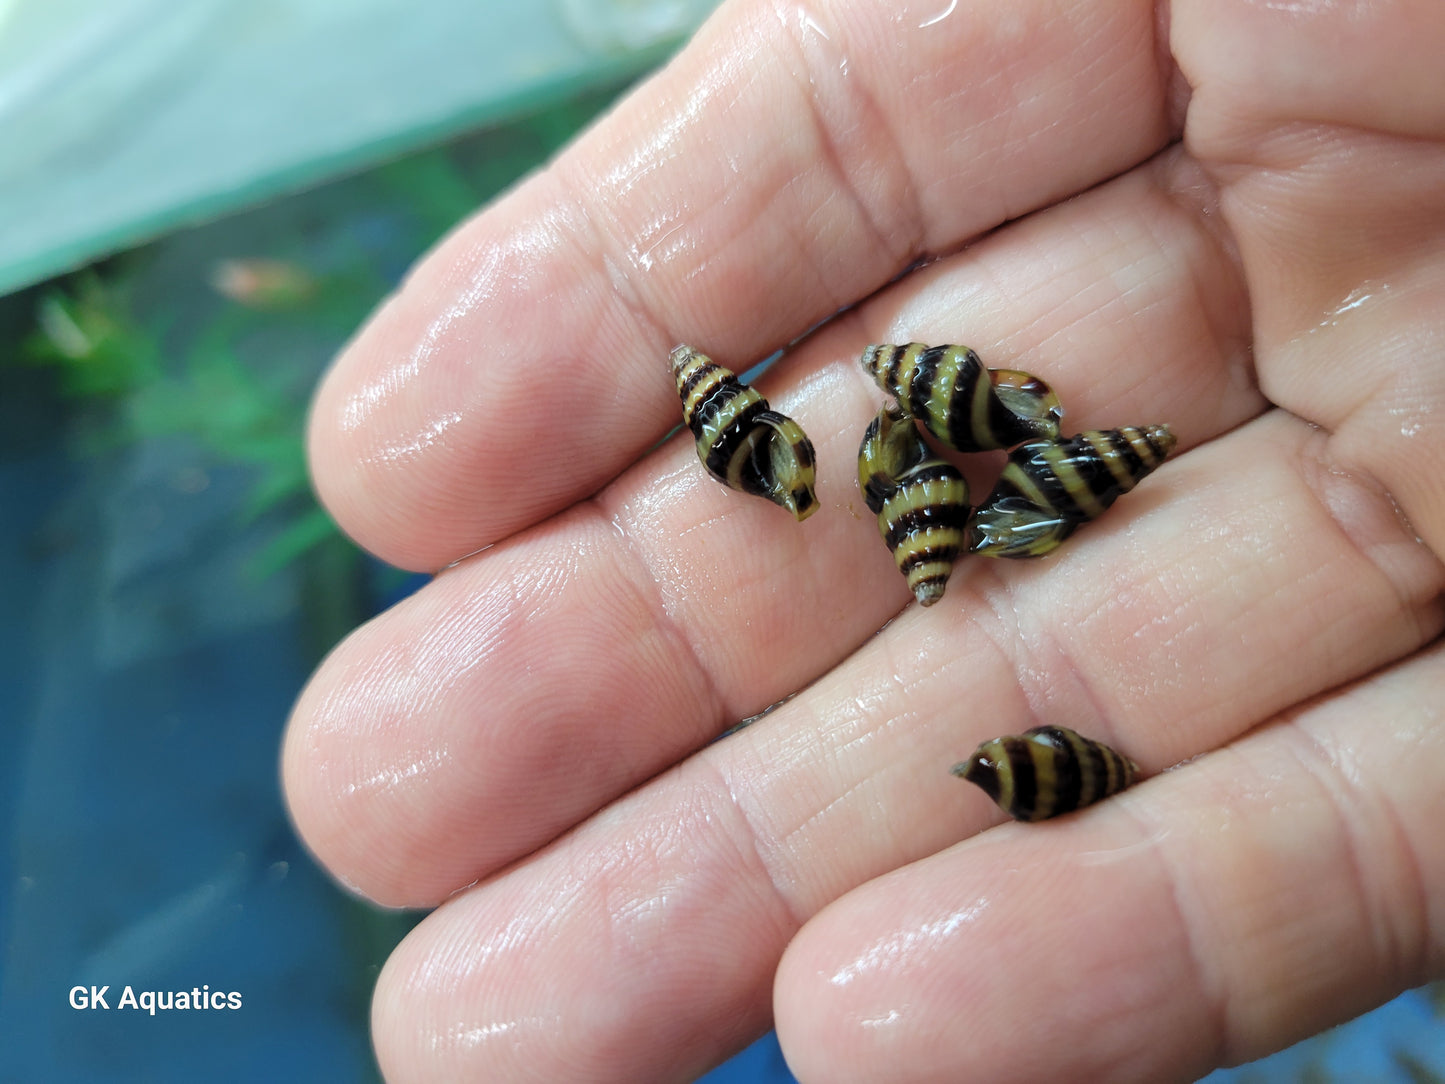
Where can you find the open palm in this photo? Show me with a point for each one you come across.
(1228, 216)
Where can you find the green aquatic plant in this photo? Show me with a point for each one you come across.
(105, 354)
(86, 334)
(1414, 1069)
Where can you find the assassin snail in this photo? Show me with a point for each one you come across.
(920, 500)
(1049, 488)
(740, 439)
(965, 406)
(1046, 772)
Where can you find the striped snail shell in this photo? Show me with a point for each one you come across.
(1046, 772)
(967, 407)
(920, 500)
(740, 440)
(1049, 488)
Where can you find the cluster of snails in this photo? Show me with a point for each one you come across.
(1050, 485)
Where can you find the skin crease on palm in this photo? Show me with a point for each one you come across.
(1227, 215)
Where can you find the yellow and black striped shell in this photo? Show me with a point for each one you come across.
(1046, 772)
(1049, 488)
(740, 440)
(967, 407)
(921, 502)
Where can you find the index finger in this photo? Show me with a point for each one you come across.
(790, 161)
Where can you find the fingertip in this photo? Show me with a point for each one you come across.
(817, 1022)
(990, 962)
(410, 1046)
(468, 407)
(374, 798)
(344, 457)
(323, 781)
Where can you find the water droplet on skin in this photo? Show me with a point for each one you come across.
(1362, 295)
(944, 14)
(899, 944)
(1410, 419)
(413, 445)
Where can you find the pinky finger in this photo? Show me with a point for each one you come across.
(1208, 917)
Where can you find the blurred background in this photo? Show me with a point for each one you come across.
(199, 201)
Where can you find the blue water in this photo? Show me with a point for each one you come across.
(144, 691)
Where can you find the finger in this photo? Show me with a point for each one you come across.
(1331, 168)
(523, 364)
(673, 904)
(1354, 341)
(1224, 910)
(1255, 67)
(524, 689)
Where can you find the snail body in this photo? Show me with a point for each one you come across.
(966, 406)
(920, 500)
(1050, 487)
(1046, 772)
(740, 440)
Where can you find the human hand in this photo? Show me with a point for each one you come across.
(1258, 261)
